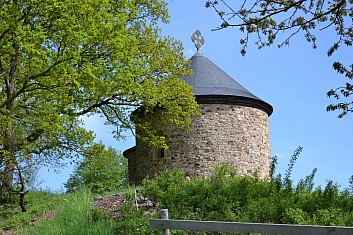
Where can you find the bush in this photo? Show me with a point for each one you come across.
(133, 220)
(227, 196)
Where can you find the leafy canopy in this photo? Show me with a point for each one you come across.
(267, 19)
(60, 60)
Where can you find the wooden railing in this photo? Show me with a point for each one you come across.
(234, 227)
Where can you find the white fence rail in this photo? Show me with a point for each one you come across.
(212, 226)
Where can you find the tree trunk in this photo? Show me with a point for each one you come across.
(8, 157)
(7, 179)
(22, 201)
(9, 160)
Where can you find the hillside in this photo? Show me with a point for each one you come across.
(223, 197)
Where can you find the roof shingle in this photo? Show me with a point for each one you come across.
(211, 81)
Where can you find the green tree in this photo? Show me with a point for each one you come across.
(101, 170)
(62, 59)
(267, 19)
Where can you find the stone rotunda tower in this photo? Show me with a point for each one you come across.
(233, 129)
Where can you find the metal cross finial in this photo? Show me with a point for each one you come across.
(197, 39)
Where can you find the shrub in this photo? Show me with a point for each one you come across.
(227, 196)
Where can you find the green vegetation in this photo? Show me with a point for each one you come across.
(72, 213)
(134, 221)
(74, 217)
(229, 197)
(40, 204)
(225, 196)
(101, 170)
(63, 60)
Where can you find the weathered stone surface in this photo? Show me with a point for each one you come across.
(233, 134)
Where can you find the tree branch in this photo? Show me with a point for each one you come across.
(255, 21)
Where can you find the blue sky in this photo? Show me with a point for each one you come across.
(294, 80)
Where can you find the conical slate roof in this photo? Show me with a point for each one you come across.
(212, 85)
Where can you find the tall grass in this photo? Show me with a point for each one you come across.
(75, 217)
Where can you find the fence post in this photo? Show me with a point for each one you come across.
(164, 215)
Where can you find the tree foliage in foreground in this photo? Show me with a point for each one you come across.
(268, 19)
(100, 170)
(62, 60)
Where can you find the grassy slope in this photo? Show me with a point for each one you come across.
(224, 197)
(50, 213)
(39, 204)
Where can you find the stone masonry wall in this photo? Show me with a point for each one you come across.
(231, 134)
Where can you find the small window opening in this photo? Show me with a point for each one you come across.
(158, 153)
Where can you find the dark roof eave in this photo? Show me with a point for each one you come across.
(128, 151)
(235, 100)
